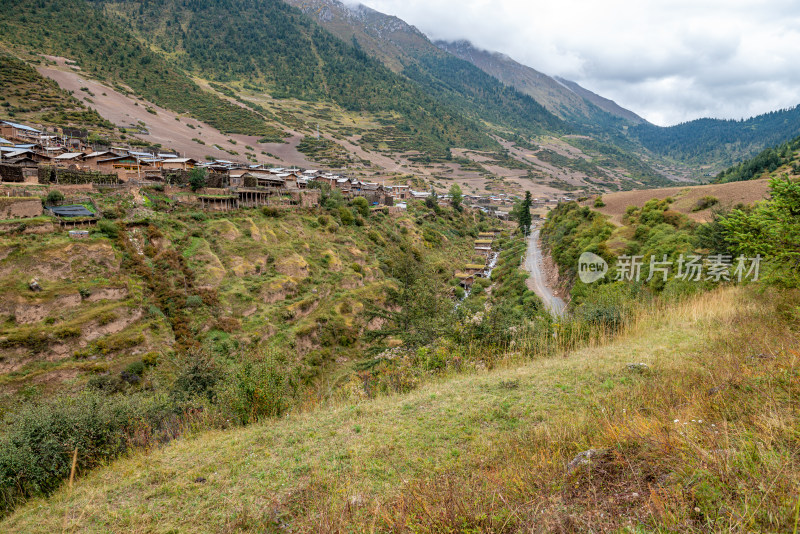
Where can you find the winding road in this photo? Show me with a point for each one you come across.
(537, 282)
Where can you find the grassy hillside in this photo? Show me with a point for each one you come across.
(273, 46)
(685, 443)
(25, 95)
(279, 281)
(696, 202)
(107, 50)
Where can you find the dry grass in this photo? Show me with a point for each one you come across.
(703, 439)
(685, 198)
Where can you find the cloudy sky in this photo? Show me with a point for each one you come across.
(667, 60)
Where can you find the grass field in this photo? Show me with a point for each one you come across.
(703, 438)
(686, 198)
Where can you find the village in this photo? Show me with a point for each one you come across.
(65, 157)
(34, 163)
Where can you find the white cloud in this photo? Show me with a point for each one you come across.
(668, 60)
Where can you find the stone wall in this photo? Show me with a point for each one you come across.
(20, 207)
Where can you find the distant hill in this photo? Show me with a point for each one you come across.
(719, 143)
(781, 159)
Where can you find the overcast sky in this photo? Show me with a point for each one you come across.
(667, 60)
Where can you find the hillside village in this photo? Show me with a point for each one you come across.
(35, 164)
(29, 155)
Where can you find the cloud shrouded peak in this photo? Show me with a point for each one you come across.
(667, 60)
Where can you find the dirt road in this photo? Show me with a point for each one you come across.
(537, 281)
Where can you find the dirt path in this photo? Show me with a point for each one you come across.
(537, 282)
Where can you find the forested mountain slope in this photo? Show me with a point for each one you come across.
(782, 158)
(719, 142)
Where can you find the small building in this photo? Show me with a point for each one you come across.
(13, 130)
(91, 159)
(475, 269)
(398, 192)
(69, 159)
(465, 280)
(125, 167)
(78, 234)
(183, 164)
(268, 180)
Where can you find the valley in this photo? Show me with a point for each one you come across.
(298, 266)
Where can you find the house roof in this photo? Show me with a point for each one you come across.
(117, 158)
(177, 160)
(97, 154)
(5, 142)
(70, 155)
(15, 153)
(168, 156)
(21, 127)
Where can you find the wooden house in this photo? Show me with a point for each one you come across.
(69, 159)
(125, 167)
(183, 164)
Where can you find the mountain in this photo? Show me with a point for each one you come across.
(714, 143)
(782, 159)
(374, 87)
(566, 99)
(405, 49)
(603, 103)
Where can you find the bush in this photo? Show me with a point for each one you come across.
(705, 203)
(362, 205)
(271, 211)
(598, 202)
(194, 301)
(54, 196)
(197, 178)
(323, 220)
(36, 449)
(346, 216)
(109, 228)
(197, 378)
(255, 390)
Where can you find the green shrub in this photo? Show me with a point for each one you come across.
(194, 301)
(109, 228)
(598, 202)
(323, 220)
(255, 390)
(362, 205)
(37, 447)
(346, 216)
(150, 359)
(198, 216)
(271, 211)
(136, 368)
(54, 196)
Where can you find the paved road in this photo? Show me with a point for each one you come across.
(537, 281)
